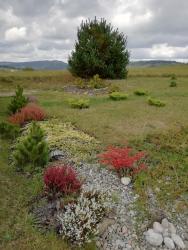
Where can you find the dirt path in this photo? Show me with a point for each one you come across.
(10, 93)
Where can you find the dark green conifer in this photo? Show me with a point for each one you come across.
(18, 101)
(99, 50)
(31, 152)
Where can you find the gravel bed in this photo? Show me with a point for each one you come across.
(120, 233)
(119, 228)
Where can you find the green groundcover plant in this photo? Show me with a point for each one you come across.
(64, 136)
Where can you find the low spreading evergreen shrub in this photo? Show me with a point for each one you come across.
(79, 103)
(140, 92)
(117, 96)
(156, 102)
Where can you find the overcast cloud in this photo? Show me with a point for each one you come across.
(46, 29)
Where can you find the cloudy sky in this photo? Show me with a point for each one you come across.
(46, 29)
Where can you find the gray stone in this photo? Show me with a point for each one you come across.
(157, 227)
(178, 241)
(171, 228)
(164, 223)
(120, 243)
(125, 180)
(124, 230)
(169, 243)
(166, 232)
(155, 239)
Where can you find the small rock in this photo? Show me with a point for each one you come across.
(124, 230)
(178, 241)
(102, 227)
(186, 244)
(164, 223)
(171, 228)
(169, 243)
(120, 243)
(155, 239)
(166, 232)
(157, 227)
(125, 181)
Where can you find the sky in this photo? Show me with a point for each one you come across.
(46, 29)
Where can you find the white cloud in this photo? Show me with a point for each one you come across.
(165, 51)
(8, 17)
(155, 28)
(15, 34)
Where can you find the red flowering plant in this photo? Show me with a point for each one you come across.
(31, 112)
(61, 180)
(123, 160)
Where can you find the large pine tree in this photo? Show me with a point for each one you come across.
(99, 50)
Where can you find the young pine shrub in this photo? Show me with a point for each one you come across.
(155, 102)
(173, 83)
(31, 151)
(79, 221)
(173, 77)
(123, 161)
(8, 130)
(80, 83)
(18, 101)
(79, 103)
(96, 82)
(118, 96)
(140, 92)
(31, 112)
(61, 180)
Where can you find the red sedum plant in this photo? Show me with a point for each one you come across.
(123, 160)
(61, 180)
(31, 112)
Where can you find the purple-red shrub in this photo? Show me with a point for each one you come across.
(123, 160)
(61, 179)
(31, 112)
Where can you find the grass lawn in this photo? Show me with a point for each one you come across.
(111, 122)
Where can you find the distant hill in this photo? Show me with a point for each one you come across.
(58, 65)
(153, 63)
(37, 65)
